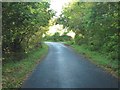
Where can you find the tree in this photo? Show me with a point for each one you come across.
(22, 25)
(95, 25)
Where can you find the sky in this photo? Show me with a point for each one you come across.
(57, 5)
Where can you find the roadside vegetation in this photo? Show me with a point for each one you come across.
(14, 73)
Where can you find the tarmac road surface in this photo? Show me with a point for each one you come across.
(63, 68)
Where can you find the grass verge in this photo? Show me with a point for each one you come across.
(97, 58)
(14, 73)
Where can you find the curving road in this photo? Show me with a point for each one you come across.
(63, 68)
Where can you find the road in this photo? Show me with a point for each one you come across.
(63, 68)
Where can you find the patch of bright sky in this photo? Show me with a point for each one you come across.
(56, 28)
(57, 6)
(71, 33)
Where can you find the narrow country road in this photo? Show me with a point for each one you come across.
(63, 68)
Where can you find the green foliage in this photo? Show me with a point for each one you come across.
(57, 37)
(22, 26)
(95, 24)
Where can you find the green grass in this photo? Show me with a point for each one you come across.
(97, 58)
(14, 73)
